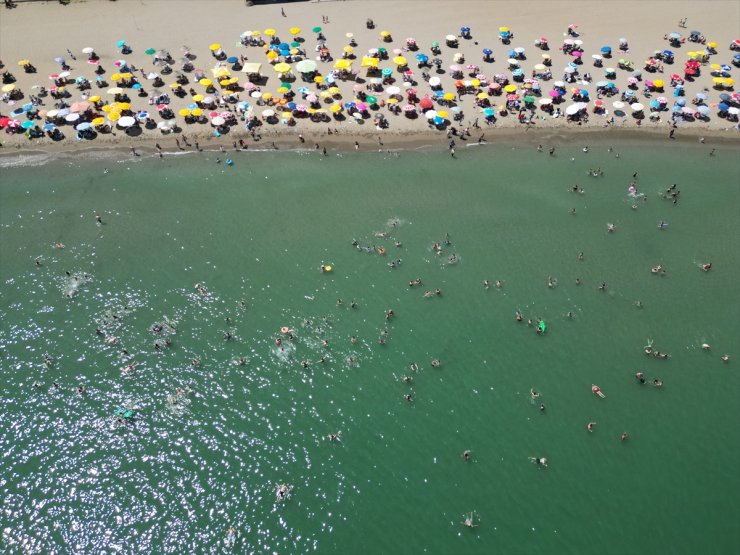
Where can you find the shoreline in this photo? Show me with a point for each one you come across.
(14, 156)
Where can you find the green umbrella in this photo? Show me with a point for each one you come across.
(435, 44)
(286, 85)
(528, 99)
(149, 51)
(371, 100)
(295, 44)
(382, 50)
(316, 29)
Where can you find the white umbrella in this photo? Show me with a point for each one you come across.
(558, 84)
(88, 50)
(597, 56)
(392, 90)
(544, 101)
(733, 110)
(208, 100)
(569, 69)
(451, 38)
(218, 120)
(167, 124)
(72, 117)
(255, 94)
(637, 107)
(126, 121)
(618, 105)
(151, 76)
(519, 50)
(434, 82)
(430, 114)
(268, 113)
(573, 109)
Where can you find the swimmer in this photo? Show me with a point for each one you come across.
(624, 436)
(585, 149)
(725, 358)
(486, 284)
(469, 521)
(657, 382)
(436, 363)
(573, 211)
(333, 437)
(551, 283)
(640, 377)
(499, 284)
(611, 228)
(353, 339)
(389, 314)
(427, 294)
(533, 394)
(542, 407)
(453, 259)
(569, 315)
(580, 256)
(438, 292)
(590, 426)
(706, 267)
(602, 286)
(530, 323)
(340, 302)
(407, 379)
(414, 367)
(59, 245)
(662, 225)
(353, 304)
(408, 398)
(539, 148)
(706, 346)
(539, 461)
(105, 171)
(466, 455)
(578, 281)
(304, 364)
(519, 317)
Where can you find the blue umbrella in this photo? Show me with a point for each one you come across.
(736, 57)
(27, 107)
(349, 105)
(488, 112)
(583, 92)
(120, 43)
(422, 58)
(49, 127)
(80, 79)
(439, 94)
(292, 105)
(28, 124)
(511, 54)
(84, 126)
(273, 47)
(610, 85)
(629, 93)
(725, 67)
(702, 96)
(723, 107)
(284, 46)
(136, 86)
(142, 115)
(464, 30)
(654, 104)
(606, 49)
(677, 108)
(232, 59)
(192, 106)
(517, 71)
(387, 71)
(681, 102)
(487, 51)
(723, 96)
(704, 110)
(438, 120)
(668, 53)
(16, 113)
(573, 65)
(304, 90)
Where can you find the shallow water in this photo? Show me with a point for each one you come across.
(178, 476)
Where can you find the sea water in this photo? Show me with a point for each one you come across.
(197, 266)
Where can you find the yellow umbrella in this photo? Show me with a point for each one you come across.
(198, 98)
(215, 46)
(206, 82)
(184, 112)
(712, 44)
(126, 76)
(385, 34)
(400, 61)
(335, 108)
(348, 49)
(476, 82)
(8, 88)
(503, 29)
(256, 33)
(115, 77)
(658, 83)
(510, 88)
(482, 96)
(94, 98)
(324, 94)
(718, 80)
(334, 90)
(115, 90)
(716, 67)
(343, 64)
(98, 121)
(197, 112)
(442, 114)
(729, 81)
(270, 32)
(175, 85)
(123, 105)
(271, 55)
(266, 96)
(294, 31)
(393, 100)
(282, 67)
(219, 72)
(114, 116)
(369, 62)
(23, 62)
(283, 90)
(449, 96)
(107, 108)
(293, 51)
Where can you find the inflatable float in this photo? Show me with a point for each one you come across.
(597, 391)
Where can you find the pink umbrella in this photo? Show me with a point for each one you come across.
(512, 97)
(577, 54)
(249, 86)
(554, 94)
(455, 69)
(161, 107)
(302, 108)
(662, 100)
(213, 114)
(54, 76)
(632, 80)
(119, 63)
(598, 103)
(226, 115)
(361, 106)
(409, 108)
(311, 98)
(372, 51)
(358, 88)
(471, 67)
(14, 123)
(687, 110)
(494, 86)
(93, 62)
(648, 83)
(397, 51)
(480, 77)
(408, 73)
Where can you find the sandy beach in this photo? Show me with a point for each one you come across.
(160, 25)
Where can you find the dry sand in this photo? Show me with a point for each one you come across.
(45, 30)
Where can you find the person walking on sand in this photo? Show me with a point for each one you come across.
(282, 12)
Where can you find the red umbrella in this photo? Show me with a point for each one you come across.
(410, 92)
(4, 122)
(598, 103)
(512, 97)
(426, 103)
(675, 76)
(161, 107)
(690, 71)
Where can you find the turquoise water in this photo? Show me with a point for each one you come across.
(254, 235)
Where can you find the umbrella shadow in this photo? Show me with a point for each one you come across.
(134, 131)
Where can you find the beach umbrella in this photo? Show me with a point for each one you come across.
(114, 116)
(430, 114)
(149, 51)
(618, 105)
(544, 101)
(121, 43)
(488, 112)
(84, 126)
(434, 81)
(142, 115)
(392, 90)
(218, 120)
(50, 126)
(316, 29)
(423, 58)
(400, 61)
(306, 66)
(487, 51)
(59, 60)
(184, 112)
(637, 107)
(215, 46)
(270, 32)
(28, 124)
(371, 100)
(71, 117)
(426, 103)
(510, 88)
(8, 88)
(126, 121)
(98, 121)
